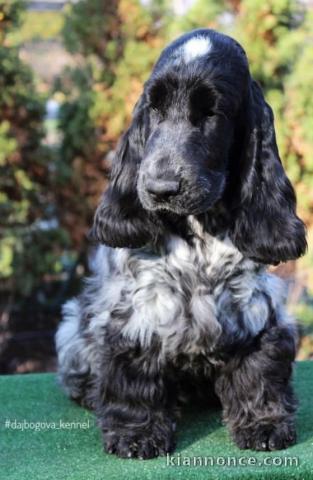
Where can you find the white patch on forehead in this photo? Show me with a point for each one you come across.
(196, 47)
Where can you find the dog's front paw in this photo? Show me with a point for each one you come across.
(266, 437)
(140, 444)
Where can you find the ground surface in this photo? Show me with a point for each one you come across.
(77, 454)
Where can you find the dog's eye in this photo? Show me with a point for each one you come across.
(157, 96)
(202, 102)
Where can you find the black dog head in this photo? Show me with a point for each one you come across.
(202, 133)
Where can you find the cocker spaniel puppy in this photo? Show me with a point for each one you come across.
(198, 206)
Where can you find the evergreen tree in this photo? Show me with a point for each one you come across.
(276, 36)
(27, 249)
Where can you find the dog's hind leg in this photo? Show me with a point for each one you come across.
(76, 355)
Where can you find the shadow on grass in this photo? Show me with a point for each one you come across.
(196, 425)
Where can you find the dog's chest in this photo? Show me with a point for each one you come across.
(175, 296)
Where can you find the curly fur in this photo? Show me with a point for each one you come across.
(179, 300)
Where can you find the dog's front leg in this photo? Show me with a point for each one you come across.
(256, 394)
(134, 406)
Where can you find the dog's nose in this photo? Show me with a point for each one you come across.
(161, 187)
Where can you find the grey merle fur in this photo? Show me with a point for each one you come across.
(179, 296)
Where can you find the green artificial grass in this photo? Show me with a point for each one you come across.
(77, 453)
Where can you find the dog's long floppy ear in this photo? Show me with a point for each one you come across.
(266, 227)
(120, 220)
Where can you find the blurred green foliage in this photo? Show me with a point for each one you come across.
(28, 250)
(278, 38)
(10, 16)
(37, 25)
